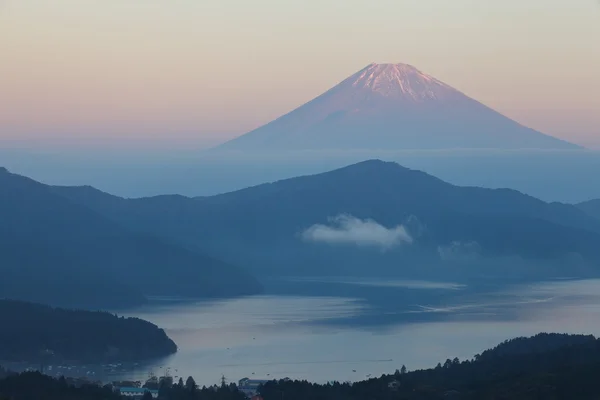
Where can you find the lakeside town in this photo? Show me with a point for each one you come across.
(101, 375)
(249, 387)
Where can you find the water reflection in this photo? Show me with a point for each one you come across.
(377, 282)
(304, 337)
(322, 338)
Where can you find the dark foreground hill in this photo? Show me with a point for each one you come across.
(369, 218)
(35, 386)
(33, 332)
(57, 252)
(547, 366)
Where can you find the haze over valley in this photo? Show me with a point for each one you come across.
(392, 112)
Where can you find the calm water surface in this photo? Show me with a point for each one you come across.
(321, 338)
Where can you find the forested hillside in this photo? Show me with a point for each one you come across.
(31, 332)
(57, 252)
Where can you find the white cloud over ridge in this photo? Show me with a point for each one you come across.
(459, 250)
(347, 229)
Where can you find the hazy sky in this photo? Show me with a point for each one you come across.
(191, 71)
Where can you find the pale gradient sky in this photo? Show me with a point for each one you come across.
(126, 72)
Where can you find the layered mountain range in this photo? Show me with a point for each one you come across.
(370, 218)
(81, 247)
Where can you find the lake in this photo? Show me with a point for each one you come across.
(329, 337)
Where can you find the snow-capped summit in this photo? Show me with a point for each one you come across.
(393, 107)
(398, 80)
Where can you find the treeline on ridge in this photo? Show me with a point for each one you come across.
(546, 366)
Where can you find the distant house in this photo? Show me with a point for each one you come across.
(394, 385)
(78, 382)
(136, 393)
(452, 394)
(250, 386)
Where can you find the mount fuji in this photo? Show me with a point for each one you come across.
(393, 107)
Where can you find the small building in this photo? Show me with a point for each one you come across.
(136, 393)
(250, 386)
(452, 394)
(394, 385)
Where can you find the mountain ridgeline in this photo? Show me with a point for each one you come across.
(57, 252)
(392, 107)
(371, 218)
(591, 208)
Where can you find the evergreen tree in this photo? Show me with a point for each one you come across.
(147, 396)
(190, 384)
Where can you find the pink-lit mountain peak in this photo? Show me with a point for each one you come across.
(398, 80)
(393, 106)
